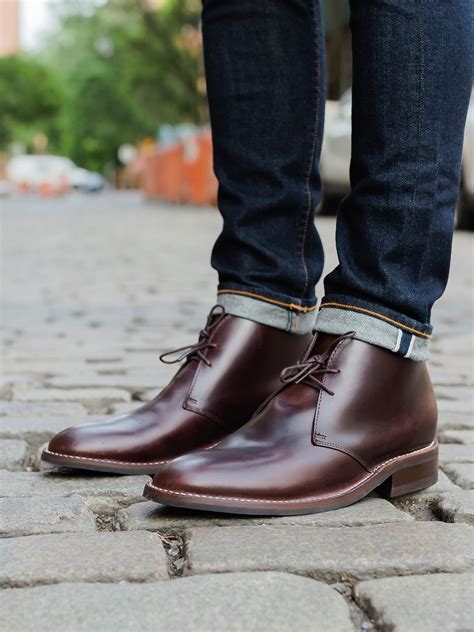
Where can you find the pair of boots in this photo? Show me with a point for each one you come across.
(247, 427)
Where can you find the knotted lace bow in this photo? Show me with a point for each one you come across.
(196, 351)
(305, 370)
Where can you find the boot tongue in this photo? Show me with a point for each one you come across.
(322, 342)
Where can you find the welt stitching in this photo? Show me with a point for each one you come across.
(397, 453)
(309, 197)
(368, 311)
(299, 500)
(86, 458)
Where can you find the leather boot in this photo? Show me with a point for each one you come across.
(226, 375)
(348, 418)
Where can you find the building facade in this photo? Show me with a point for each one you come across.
(9, 27)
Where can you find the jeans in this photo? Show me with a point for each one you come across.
(412, 77)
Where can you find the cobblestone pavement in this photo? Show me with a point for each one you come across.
(93, 289)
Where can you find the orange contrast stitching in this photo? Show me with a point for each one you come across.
(368, 311)
(296, 308)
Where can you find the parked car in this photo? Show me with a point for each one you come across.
(336, 151)
(56, 174)
(85, 180)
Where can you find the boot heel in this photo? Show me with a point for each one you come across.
(412, 478)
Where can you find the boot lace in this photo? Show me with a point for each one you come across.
(311, 365)
(196, 351)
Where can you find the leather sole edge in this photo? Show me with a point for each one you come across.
(100, 465)
(398, 476)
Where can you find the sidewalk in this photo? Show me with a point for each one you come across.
(94, 288)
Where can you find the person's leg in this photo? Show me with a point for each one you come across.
(411, 86)
(352, 416)
(265, 79)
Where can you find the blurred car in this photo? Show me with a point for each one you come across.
(336, 152)
(5, 188)
(86, 180)
(54, 174)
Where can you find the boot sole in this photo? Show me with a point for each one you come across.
(100, 465)
(396, 477)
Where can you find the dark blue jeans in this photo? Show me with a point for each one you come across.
(412, 77)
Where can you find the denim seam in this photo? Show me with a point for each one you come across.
(314, 140)
(373, 313)
(421, 87)
(290, 306)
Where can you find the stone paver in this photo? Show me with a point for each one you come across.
(237, 602)
(91, 557)
(38, 430)
(154, 517)
(13, 453)
(452, 453)
(449, 420)
(127, 489)
(152, 379)
(362, 552)
(81, 341)
(456, 506)
(37, 516)
(458, 436)
(48, 409)
(438, 603)
(461, 474)
(91, 396)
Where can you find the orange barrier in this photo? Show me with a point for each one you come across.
(181, 172)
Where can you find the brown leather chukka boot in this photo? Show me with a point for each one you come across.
(348, 418)
(226, 375)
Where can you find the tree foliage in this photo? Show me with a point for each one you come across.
(124, 68)
(29, 97)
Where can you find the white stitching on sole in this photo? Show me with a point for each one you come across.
(299, 500)
(86, 458)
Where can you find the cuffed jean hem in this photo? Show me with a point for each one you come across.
(371, 329)
(266, 313)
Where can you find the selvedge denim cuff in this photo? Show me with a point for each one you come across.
(266, 313)
(374, 330)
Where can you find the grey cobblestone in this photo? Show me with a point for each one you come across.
(91, 396)
(152, 379)
(125, 489)
(438, 603)
(237, 602)
(329, 554)
(91, 324)
(38, 430)
(456, 453)
(36, 516)
(13, 453)
(50, 409)
(449, 420)
(456, 506)
(153, 517)
(91, 557)
(461, 474)
(457, 436)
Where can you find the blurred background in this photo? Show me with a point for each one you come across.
(100, 94)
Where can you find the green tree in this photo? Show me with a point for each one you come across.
(125, 69)
(30, 98)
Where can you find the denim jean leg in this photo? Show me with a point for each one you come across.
(264, 69)
(411, 84)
